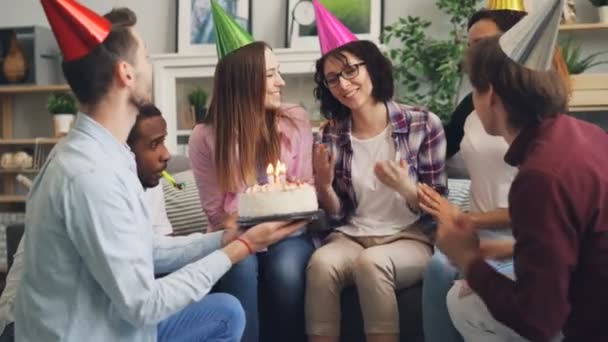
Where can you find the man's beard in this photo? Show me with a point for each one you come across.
(138, 101)
(149, 184)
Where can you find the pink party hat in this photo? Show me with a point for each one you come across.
(332, 33)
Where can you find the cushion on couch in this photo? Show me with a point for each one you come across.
(183, 206)
(458, 192)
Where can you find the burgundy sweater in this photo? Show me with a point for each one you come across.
(559, 210)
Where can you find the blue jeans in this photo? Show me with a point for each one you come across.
(218, 317)
(439, 277)
(280, 274)
(8, 335)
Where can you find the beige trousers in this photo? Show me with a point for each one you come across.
(376, 265)
(474, 321)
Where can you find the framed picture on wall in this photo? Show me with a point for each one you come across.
(365, 18)
(195, 29)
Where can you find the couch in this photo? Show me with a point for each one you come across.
(180, 202)
(409, 299)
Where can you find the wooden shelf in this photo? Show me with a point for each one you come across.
(582, 109)
(590, 92)
(29, 141)
(584, 27)
(16, 171)
(26, 89)
(12, 199)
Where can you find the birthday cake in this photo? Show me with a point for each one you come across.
(277, 197)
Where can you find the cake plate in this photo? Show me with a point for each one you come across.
(248, 222)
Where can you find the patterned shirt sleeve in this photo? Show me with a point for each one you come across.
(431, 156)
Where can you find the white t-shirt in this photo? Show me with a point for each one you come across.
(380, 211)
(155, 199)
(491, 176)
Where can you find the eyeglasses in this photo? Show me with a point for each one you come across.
(349, 72)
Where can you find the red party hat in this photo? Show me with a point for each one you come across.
(78, 30)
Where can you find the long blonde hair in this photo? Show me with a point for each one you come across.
(246, 136)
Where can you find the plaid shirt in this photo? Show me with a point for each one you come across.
(419, 140)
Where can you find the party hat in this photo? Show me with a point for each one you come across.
(332, 33)
(511, 5)
(531, 42)
(229, 34)
(78, 30)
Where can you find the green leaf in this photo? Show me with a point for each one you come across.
(198, 98)
(573, 57)
(426, 68)
(62, 103)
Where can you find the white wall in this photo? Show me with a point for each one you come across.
(157, 24)
(157, 18)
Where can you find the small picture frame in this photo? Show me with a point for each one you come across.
(365, 18)
(195, 29)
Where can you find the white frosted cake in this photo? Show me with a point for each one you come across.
(277, 199)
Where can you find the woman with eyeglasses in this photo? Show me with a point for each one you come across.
(374, 151)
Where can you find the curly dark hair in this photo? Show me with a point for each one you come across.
(145, 112)
(378, 66)
(504, 19)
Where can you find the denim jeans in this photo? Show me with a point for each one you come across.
(278, 278)
(439, 277)
(437, 281)
(8, 335)
(218, 317)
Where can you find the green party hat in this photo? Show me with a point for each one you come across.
(229, 34)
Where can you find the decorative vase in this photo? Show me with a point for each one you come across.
(569, 13)
(197, 114)
(22, 160)
(62, 124)
(6, 162)
(603, 12)
(14, 64)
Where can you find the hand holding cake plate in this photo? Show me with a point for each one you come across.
(259, 237)
(248, 222)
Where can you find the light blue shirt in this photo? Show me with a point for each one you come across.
(90, 256)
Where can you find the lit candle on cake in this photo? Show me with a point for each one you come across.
(282, 172)
(270, 173)
(277, 179)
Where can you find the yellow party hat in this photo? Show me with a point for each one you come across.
(512, 5)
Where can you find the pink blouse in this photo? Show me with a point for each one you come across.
(296, 153)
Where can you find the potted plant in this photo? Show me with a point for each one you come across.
(428, 70)
(577, 64)
(602, 9)
(198, 101)
(63, 107)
